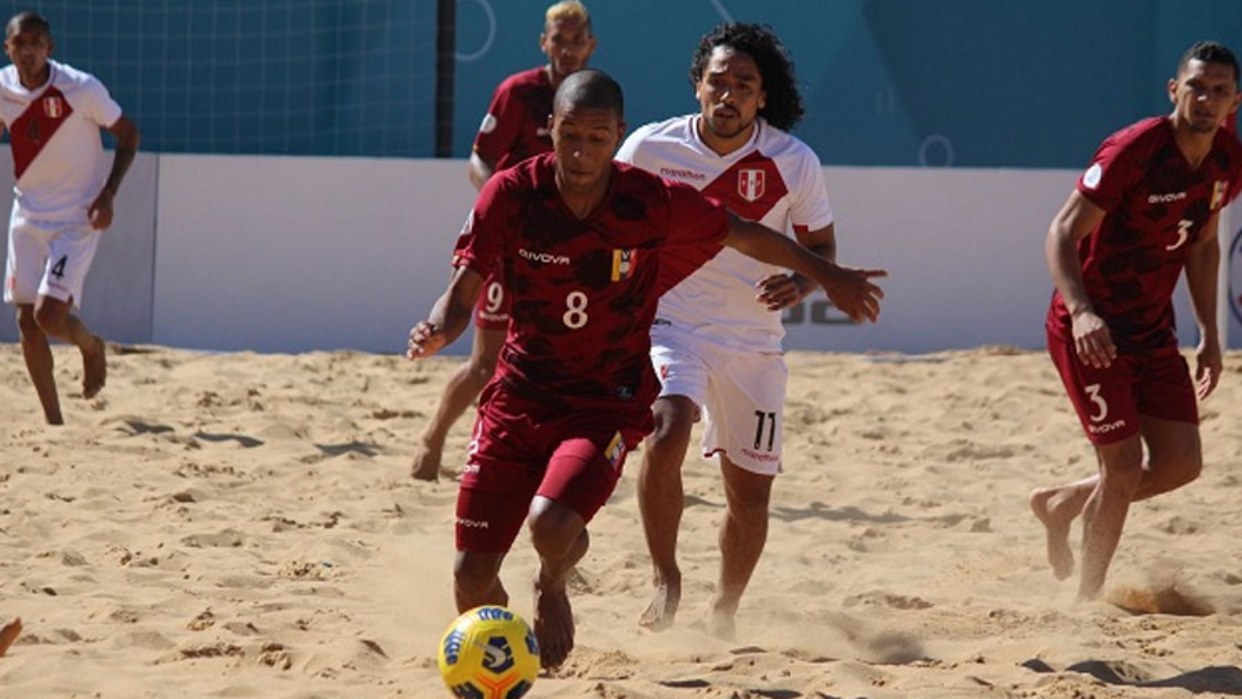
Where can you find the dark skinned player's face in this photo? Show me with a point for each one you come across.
(585, 140)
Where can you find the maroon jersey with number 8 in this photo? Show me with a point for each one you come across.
(584, 291)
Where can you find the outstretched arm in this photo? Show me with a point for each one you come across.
(780, 291)
(1202, 268)
(849, 289)
(100, 212)
(449, 316)
(1092, 340)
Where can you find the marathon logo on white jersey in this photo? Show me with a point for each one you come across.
(1107, 427)
(750, 183)
(1166, 198)
(53, 107)
(676, 173)
(543, 258)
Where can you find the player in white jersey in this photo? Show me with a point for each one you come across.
(62, 198)
(716, 343)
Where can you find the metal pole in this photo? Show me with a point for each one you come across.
(446, 64)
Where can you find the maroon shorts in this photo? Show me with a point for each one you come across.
(523, 448)
(492, 310)
(1109, 401)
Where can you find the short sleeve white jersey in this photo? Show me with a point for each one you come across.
(774, 179)
(58, 156)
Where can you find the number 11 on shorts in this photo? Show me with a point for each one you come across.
(768, 420)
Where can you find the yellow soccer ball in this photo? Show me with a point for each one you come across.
(489, 653)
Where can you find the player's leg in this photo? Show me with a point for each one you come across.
(1057, 507)
(40, 364)
(1104, 515)
(1173, 460)
(55, 318)
(742, 537)
(476, 580)
(24, 267)
(463, 387)
(582, 473)
(661, 497)
(744, 427)
(1169, 415)
(1106, 406)
(70, 254)
(559, 536)
(661, 500)
(1174, 456)
(493, 499)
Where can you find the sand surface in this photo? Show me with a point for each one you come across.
(243, 525)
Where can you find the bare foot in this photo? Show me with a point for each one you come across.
(426, 464)
(554, 625)
(94, 367)
(662, 611)
(9, 633)
(1056, 516)
(721, 621)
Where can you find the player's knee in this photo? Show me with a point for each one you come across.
(554, 530)
(1122, 480)
(473, 580)
(749, 504)
(673, 418)
(1187, 469)
(51, 318)
(26, 322)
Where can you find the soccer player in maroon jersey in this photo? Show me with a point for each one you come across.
(582, 241)
(1147, 207)
(515, 128)
(62, 198)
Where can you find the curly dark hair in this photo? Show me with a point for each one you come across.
(783, 106)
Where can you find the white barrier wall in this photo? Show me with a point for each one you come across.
(295, 254)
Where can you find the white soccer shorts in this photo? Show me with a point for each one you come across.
(47, 259)
(741, 394)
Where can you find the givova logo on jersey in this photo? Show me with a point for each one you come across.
(750, 183)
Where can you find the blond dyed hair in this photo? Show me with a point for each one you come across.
(568, 11)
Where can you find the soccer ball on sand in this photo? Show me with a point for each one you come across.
(489, 653)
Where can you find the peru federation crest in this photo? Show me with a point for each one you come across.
(750, 183)
(53, 107)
